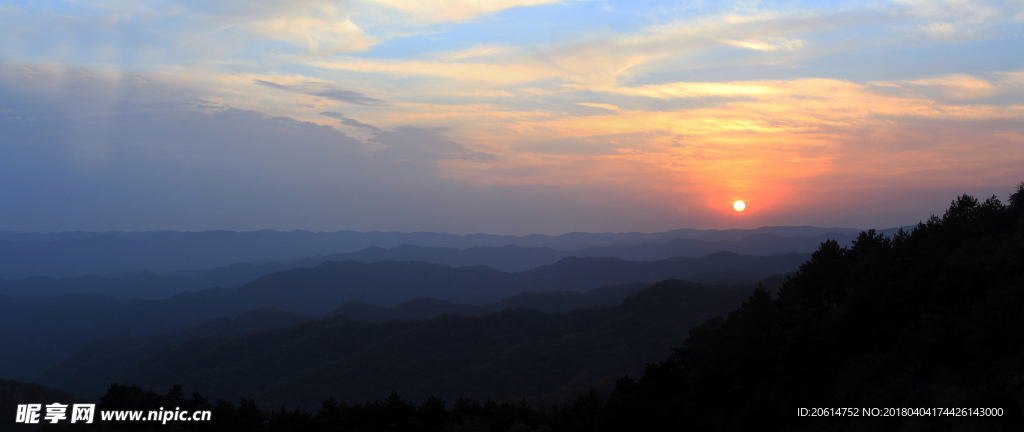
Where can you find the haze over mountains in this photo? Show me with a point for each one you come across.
(148, 285)
(550, 302)
(37, 255)
(38, 332)
(71, 254)
(91, 368)
(448, 356)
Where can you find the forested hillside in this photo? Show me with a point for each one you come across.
(928, 318)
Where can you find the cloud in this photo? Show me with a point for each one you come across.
(156, 157)
(957, 86)
(456, 10)
(953, 20)
(605, 59)
(699, 89)
(331, 35)
(498, 73)
(326, 91)
(970, 11)
(474, 52)
(768, 44)
(410, 143)
(600, 105)
(349, 122)
(1006, 86)
(598, 145)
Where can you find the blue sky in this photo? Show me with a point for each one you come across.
(504, 116)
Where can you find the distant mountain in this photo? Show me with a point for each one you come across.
(386, 283)
(90, 369)
(146, 285)
(511, 258)
(40, 339)
(758, 244)
(549, 302)
(515, 258)
(77, 253)
(511, 354)
(16, 309)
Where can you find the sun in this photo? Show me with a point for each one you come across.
(739, 205)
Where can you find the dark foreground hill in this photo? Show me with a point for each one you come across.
(92, 368)
(14, 393)
(511, 354)
(930, 321)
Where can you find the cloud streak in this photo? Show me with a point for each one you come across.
(325, 91)
(349, 122)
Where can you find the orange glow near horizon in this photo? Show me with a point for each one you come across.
(792, 147)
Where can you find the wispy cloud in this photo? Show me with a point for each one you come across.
(457, 10)
(498, 73)
(474, 52)
(325, 91)
(600, 105)
(317, 35)
(700, 89)
(410, 143)
(961, 87)
(768, 44)
(349, 122)
(958, 86)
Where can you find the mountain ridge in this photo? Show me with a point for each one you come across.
(29, 345)
(447, 356)
(509, 258)
(79, 254)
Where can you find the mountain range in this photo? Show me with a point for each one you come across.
(38, 332)
(515, 353)
(509, 258)
(24, 255)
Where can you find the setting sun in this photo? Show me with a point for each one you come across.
(739, 206)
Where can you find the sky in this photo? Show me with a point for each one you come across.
(504, 116)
